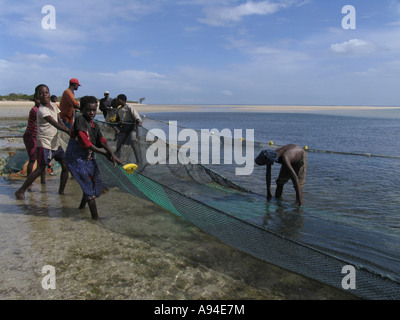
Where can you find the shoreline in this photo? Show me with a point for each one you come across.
(20, 109)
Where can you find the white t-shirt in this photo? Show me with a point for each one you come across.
(47, 134)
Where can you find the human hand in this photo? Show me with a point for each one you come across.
(115, 160)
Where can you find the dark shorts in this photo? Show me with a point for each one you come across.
(67, 124)
(300, 168)
(44, 156)
(127, 135)
(31, 146)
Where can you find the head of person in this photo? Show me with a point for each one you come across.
(42, 92)
(36, 100)
(53, 98)
(114, 103)
(106, 94)
(88, 107)
(121, 99)
(74, 83)
(266, 157)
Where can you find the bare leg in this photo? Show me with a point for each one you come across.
(278, 191)
(20, 193)
(29, 170)
(30, 167)
(135, 148)
(120, 143)
(43, 177)
(93, 208)
(83, 202)
(64, 177)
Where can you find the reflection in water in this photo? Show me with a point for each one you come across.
(278, 218)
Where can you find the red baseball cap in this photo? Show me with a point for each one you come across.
(74, 80)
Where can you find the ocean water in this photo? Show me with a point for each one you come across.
(140, 251)
(352, 193)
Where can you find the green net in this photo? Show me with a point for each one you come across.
(231, 213)
(222, 205)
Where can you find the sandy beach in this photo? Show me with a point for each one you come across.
(20, 109)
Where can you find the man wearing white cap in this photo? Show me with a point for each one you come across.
(68, 104)
(105, 103)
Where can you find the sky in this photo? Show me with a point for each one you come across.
(286, 52)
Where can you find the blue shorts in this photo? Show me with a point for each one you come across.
(44, 156)
(67, 124)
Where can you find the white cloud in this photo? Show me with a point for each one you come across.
(221, 16)
(74, 30)
(353, 46)
(4, 64)
(31, 57)
(227, 93)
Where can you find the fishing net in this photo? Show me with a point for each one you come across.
(223, 206)
(233, 209)
(15, 164)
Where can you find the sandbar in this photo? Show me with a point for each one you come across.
(20, 109)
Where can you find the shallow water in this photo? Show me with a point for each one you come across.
(136, 251)
(351, 200)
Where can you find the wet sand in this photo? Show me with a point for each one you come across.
(136, 251)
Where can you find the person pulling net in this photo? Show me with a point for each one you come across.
(293, 160)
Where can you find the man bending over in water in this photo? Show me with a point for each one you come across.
(293, 159)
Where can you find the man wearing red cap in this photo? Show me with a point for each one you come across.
(68, 104)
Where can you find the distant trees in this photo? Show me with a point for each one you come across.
(25, 97)
(17, 97)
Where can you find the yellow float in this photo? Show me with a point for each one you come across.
(130, 168)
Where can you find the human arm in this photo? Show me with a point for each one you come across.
(71, 99)
(135, 115)
(58, 124)
(106, 151)
(101, 146)
(91, 137)
(109, 154)
(268, 181)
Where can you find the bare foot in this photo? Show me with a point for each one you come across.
(20, 195)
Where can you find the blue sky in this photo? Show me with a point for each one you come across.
(206, 51)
